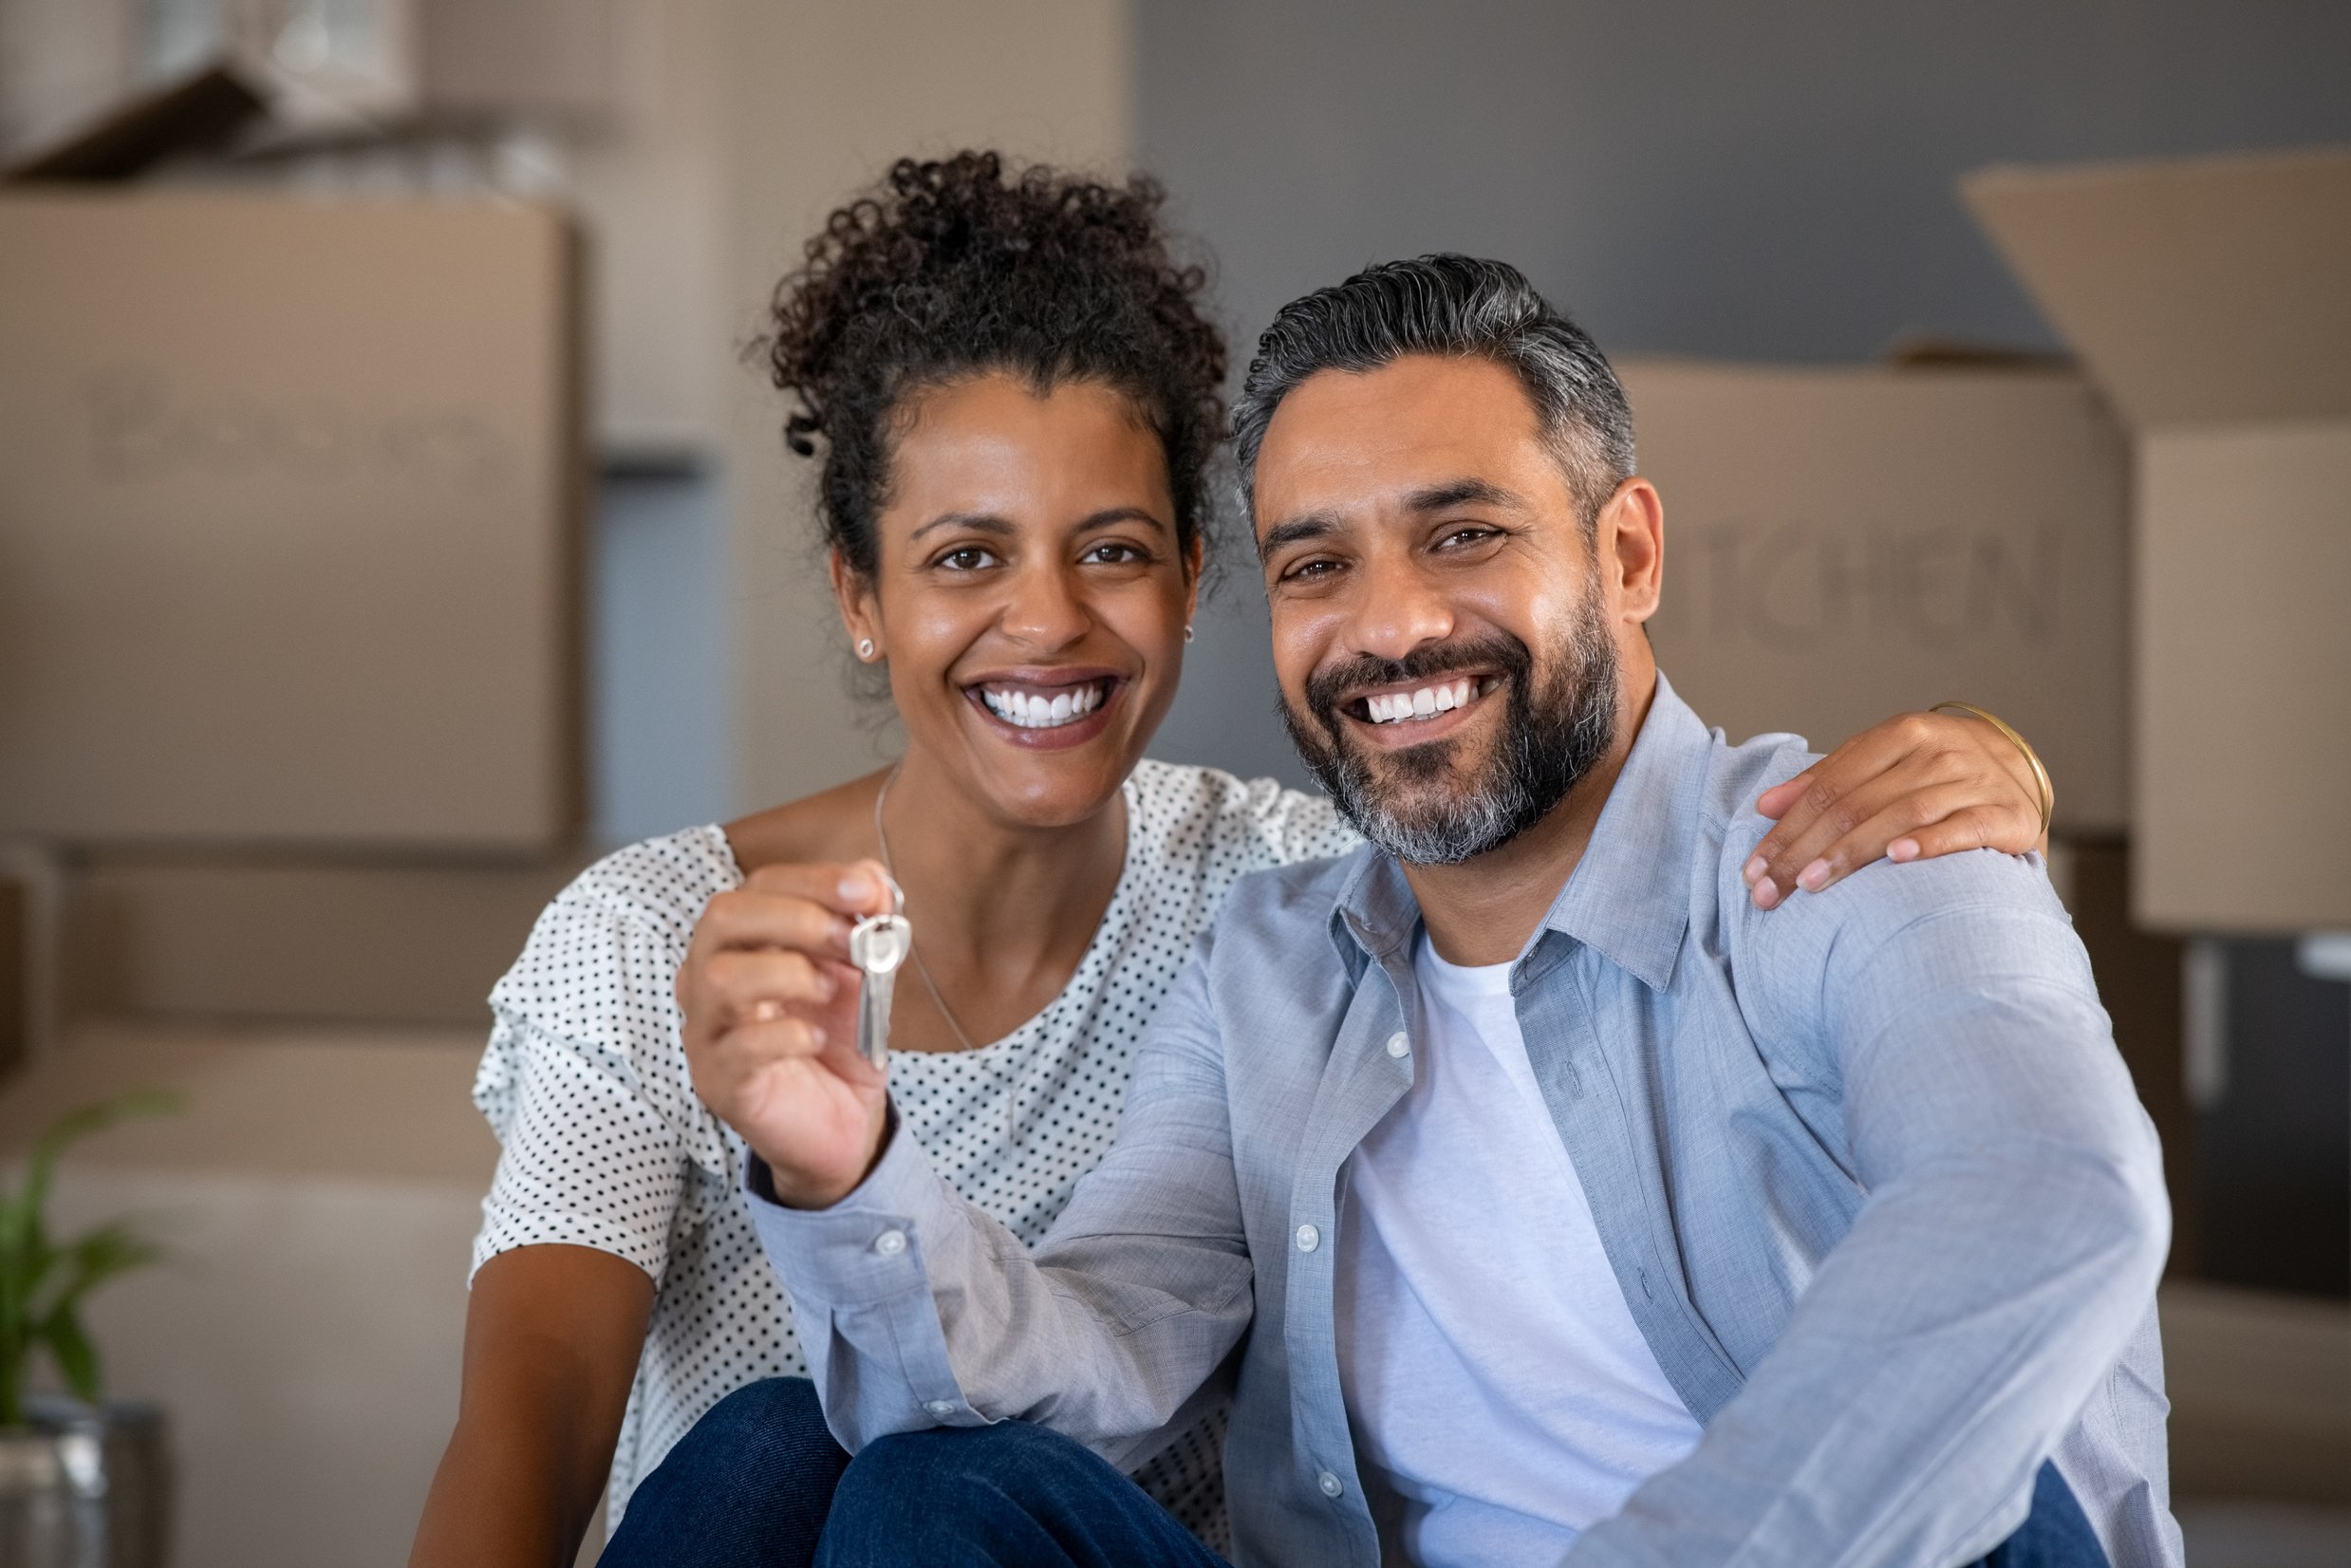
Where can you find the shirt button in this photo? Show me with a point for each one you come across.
(890, 1242)
(1328, 1483)
(941, 1408)
(1309, 1238)
(1398, 1045)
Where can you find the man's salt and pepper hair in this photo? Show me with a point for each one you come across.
(1448, 305)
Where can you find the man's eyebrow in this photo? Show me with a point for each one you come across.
(1436, 498)
(1310, 525)
(1461, 492)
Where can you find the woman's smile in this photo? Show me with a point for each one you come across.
(1047, 709)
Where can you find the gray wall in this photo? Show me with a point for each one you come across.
(657, 677)
(1712, 178)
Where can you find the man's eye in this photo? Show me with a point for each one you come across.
(969, 558)
(1310, 569)
(1468, 535)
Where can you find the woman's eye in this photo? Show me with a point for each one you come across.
(1115, 552)
(969, 558)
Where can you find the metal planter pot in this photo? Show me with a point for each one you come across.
(86, 1487)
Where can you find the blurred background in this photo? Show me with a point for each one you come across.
(390, 521)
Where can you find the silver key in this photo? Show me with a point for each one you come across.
(877, 944)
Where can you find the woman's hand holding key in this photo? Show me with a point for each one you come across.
(770, 1003)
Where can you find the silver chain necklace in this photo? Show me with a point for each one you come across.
(920, 967)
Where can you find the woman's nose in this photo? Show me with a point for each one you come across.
(1046, 611)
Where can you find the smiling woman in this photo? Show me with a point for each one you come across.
(1014, 393)
(1032, 580)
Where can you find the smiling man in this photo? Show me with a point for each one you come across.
(1537, 1196)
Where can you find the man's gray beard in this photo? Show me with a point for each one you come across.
(1550, 740)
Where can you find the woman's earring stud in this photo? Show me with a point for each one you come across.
(1187, 633)
(865, 647)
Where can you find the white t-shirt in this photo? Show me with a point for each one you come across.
(605, 1145)
(1499, 1388)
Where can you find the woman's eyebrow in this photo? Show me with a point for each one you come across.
(978, 522)
(990, 523)
(1112, 516)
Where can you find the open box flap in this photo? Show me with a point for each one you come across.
(2215, 289)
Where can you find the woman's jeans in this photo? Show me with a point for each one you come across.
(748, 1487)
(759, 1484)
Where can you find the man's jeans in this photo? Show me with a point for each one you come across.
(759, 1484)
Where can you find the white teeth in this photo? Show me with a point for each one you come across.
(1036, 711)
(1388, 707)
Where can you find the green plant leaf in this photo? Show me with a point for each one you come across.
(93, 1258)
(35, 1256)
(76, 1125)
(75, 1355)
(16, 1227)
(30, 1265)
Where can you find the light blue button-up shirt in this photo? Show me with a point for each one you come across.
(1867, 1167)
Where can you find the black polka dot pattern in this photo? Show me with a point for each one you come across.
(606, 1146)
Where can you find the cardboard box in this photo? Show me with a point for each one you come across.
(289, 515)
(2212, 302)
(15, 970)
(2259, 1384)
(178, 938)
(2141, 975)
(538, 60)
(1845, 543)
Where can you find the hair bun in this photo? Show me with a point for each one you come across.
(951, 267)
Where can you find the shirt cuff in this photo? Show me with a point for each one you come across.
(864, 1250)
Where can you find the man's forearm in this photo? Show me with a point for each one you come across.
(916, 1309)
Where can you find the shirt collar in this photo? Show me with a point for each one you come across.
(1629, 898)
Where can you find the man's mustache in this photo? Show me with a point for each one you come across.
(1327, 688)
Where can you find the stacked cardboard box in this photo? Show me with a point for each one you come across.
(289, 511)
(2144, 564)
(15, 965)
(297, 937)
(1846, 542)
(2211, 301)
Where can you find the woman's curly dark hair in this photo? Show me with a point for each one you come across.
(950, 268)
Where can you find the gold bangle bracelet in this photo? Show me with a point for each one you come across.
(2040, 774)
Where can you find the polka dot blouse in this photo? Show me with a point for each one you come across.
(606, 1146)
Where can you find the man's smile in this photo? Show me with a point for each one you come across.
(1413, 713)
